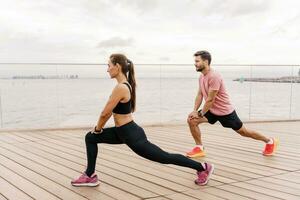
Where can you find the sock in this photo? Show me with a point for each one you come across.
(203, 165)
(271, 141)
(200, 146)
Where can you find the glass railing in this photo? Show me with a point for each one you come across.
(71, 95)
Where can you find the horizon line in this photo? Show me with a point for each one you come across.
(185, 64)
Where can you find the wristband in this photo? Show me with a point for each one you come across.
(200, 113)
(98, 131)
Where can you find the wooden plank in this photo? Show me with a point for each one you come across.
(278, 181)
(233, 139)
(118, 173)
(266, 191)
(158, 198)
(222, 139)
(245, 192)
(180, 196)
(150, 182)
(280, 163)
(16, 138)
(278, 187)
(6, 139)
(201, 194)
(58, 156)
(164, 183)
(9, 191)
(130, 167)
(224, 194)
(25, 185)
(235, 159)
(235, 170)
(119, 147)
(67, 168)
(288, 177)
(59, 186)
(126, 155)
(118, 179)
(2, 197)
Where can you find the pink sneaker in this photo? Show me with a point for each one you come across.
(203, 176)
(85, 180)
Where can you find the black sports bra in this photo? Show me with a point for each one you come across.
(123, 108)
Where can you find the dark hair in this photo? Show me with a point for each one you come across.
(205, 55)
(127, 67)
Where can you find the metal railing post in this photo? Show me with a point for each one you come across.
(57, 96)
(1, 116)
(160, 94)
(291, 93)
(250, 93)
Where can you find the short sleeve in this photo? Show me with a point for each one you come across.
(214, 83)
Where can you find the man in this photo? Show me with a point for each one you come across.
(217, 107)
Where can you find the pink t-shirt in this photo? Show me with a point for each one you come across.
(213, 81)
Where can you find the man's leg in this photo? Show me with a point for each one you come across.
(194, 123)
(233, 121)
(243, 131)
(271, 143)
(194, 128)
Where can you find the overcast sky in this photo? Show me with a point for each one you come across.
(153, 31)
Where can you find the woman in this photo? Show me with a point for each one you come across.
(121, 104)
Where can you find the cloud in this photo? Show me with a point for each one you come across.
(138, 5)
(115, 42)
(231, 8)
(164, 59)
(287, 29)
(148, 30)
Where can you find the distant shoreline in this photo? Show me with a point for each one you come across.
(284, 79)
(46, 77)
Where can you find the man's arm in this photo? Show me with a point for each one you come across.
(198, 100)
(213, 89)
(209, 101)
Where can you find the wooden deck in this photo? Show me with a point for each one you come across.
(40, 165)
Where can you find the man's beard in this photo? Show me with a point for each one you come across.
(202, 67)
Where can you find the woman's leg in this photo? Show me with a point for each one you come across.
(109, 136)
(152, 152)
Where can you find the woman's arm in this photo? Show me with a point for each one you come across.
(117, 95)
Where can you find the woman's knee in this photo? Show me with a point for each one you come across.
(89, 137)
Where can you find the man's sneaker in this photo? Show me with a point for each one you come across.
(271, 148)
(85, 180)
(203, 176)
(196, 152)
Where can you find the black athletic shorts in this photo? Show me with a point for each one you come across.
(229, 121)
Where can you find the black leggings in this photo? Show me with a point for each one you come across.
(134, 136)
